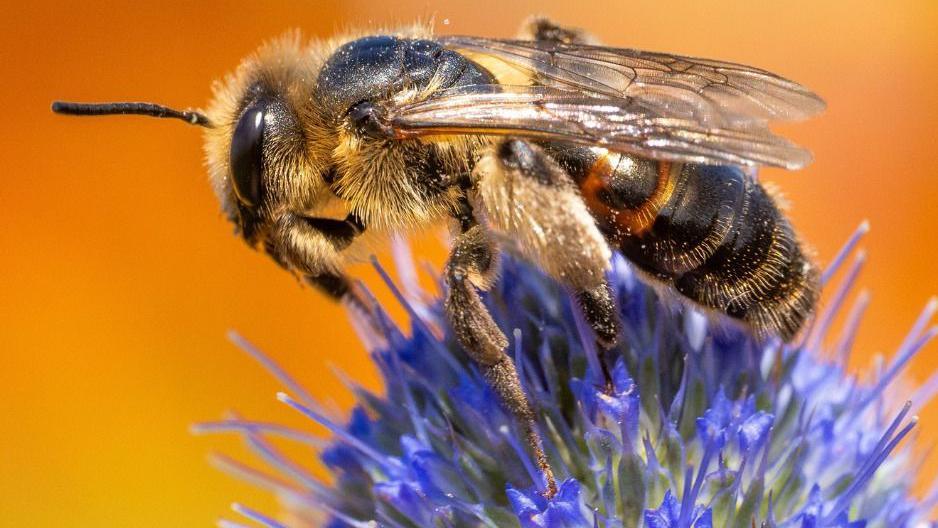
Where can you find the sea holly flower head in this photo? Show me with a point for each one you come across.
(704, 426)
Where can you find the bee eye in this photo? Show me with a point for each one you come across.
(247, 155)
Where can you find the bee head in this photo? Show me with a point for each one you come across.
(269, 152)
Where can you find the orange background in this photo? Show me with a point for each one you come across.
(120, 277)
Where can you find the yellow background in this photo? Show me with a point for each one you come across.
(120, 277)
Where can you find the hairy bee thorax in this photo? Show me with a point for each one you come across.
(711, 233)
(392, 183)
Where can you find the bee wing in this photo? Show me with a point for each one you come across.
(721, 92)
(654, 105)
(620, 124)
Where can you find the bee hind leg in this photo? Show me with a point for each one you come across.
(471, 265)
(530, 201)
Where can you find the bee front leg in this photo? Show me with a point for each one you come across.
(312, 247)
(528, 200)
(471, 265)
(335, 285)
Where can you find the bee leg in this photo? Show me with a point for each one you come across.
(312, 247)
(334, 285)
(528, 200)
(339, 287)
(471, 265)
(542, 29)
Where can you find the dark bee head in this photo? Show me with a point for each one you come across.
(266, 154)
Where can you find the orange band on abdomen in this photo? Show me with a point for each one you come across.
(625, 222)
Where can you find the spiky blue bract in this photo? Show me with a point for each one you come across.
(705, 426)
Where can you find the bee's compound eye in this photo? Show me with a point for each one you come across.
(247, 155)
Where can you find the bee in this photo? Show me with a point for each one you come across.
(549, 145)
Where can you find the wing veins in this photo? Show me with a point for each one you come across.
(651, 104)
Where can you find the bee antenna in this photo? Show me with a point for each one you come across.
(148, 109)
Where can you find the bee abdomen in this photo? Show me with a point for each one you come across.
(710, 232)
(758, 273)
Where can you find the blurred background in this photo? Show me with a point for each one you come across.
(120, 278)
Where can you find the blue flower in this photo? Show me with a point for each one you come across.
(705, 426)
